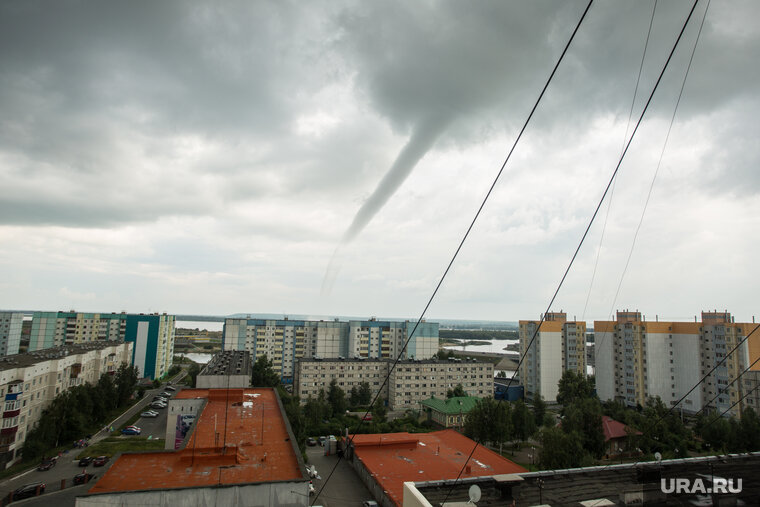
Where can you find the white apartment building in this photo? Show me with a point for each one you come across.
(30, 381)
(285, 341)
(410, 381)
(10, 332)
(559, 346)
(152, 335)
(637, 359)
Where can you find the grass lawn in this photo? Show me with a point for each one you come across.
(114, 445)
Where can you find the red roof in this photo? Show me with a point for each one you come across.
(614, 429)
(249, 455)
(395, 458)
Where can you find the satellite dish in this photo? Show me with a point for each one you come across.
(658, 457)
(474, 493)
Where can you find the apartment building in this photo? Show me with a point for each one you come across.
(30, 381)
(410, 382)
(152, 335)
(559, 346)
(10, 332)
(285, 341)
(637, 359)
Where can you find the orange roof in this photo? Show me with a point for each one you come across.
(249, 456)
(395, 458)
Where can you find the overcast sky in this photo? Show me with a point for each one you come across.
(212, 158)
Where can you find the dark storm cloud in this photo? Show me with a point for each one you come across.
(102, 91)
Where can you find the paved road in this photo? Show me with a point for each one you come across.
(67, 466)
(345, 488)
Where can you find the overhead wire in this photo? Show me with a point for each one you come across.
(625, 137)
(657, 169)
(467, 233)
(593, 216)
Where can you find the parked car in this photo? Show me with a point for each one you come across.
(166, 395)
(149, 413)
(100, 461)
(159, 398)
(311, 442)
(29, 490)
(47, 464)
(369, 503)
(85, 461)
(367, 417)
(158, 404)
(170, 388)
(322, 440)
(131, 430)
(83, 478)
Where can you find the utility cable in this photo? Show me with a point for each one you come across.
(719, 363)
(662, 154)
(625, 136)
(723, 390)
(596, 211)
(598, 346)
(467, 233)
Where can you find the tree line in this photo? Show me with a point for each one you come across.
(80, 410)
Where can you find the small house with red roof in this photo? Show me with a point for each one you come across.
(616, 436)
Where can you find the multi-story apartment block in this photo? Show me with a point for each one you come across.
(285, 341)
(559, 345)
(410, 381)
(637, 359)
(152, 335)
(10, 332)
(30, 381)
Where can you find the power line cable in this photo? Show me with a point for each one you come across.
(625, 136)
(725, 389)
(657, 169)
(662, 154)
(596, 211)
(469, 229)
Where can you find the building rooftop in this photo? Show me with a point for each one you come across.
(31, 358)
(255, 445)
(615, 429)
(229, 362)
(395, 458)
(390, 360)
(452, 406)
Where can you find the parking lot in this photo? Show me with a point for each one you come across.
(67, 464)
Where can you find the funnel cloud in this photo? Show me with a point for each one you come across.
(422, 139)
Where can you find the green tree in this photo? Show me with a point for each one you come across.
(749, 430)
(192, 373)
(379, 410)
(539, 410)
(353, 397)
(458, 391)
(489, 421)
(561, 450)
(336, 398)
(573, 386)
(365, 394)
(315, 411)
(125, 381)
(522, 421)
(264, 374)
(584, 417)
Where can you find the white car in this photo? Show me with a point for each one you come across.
(149, 413)
(158, 404)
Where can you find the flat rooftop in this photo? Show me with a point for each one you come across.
(253, 446)
(229, 362)
(39, 356)
(395, 458)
